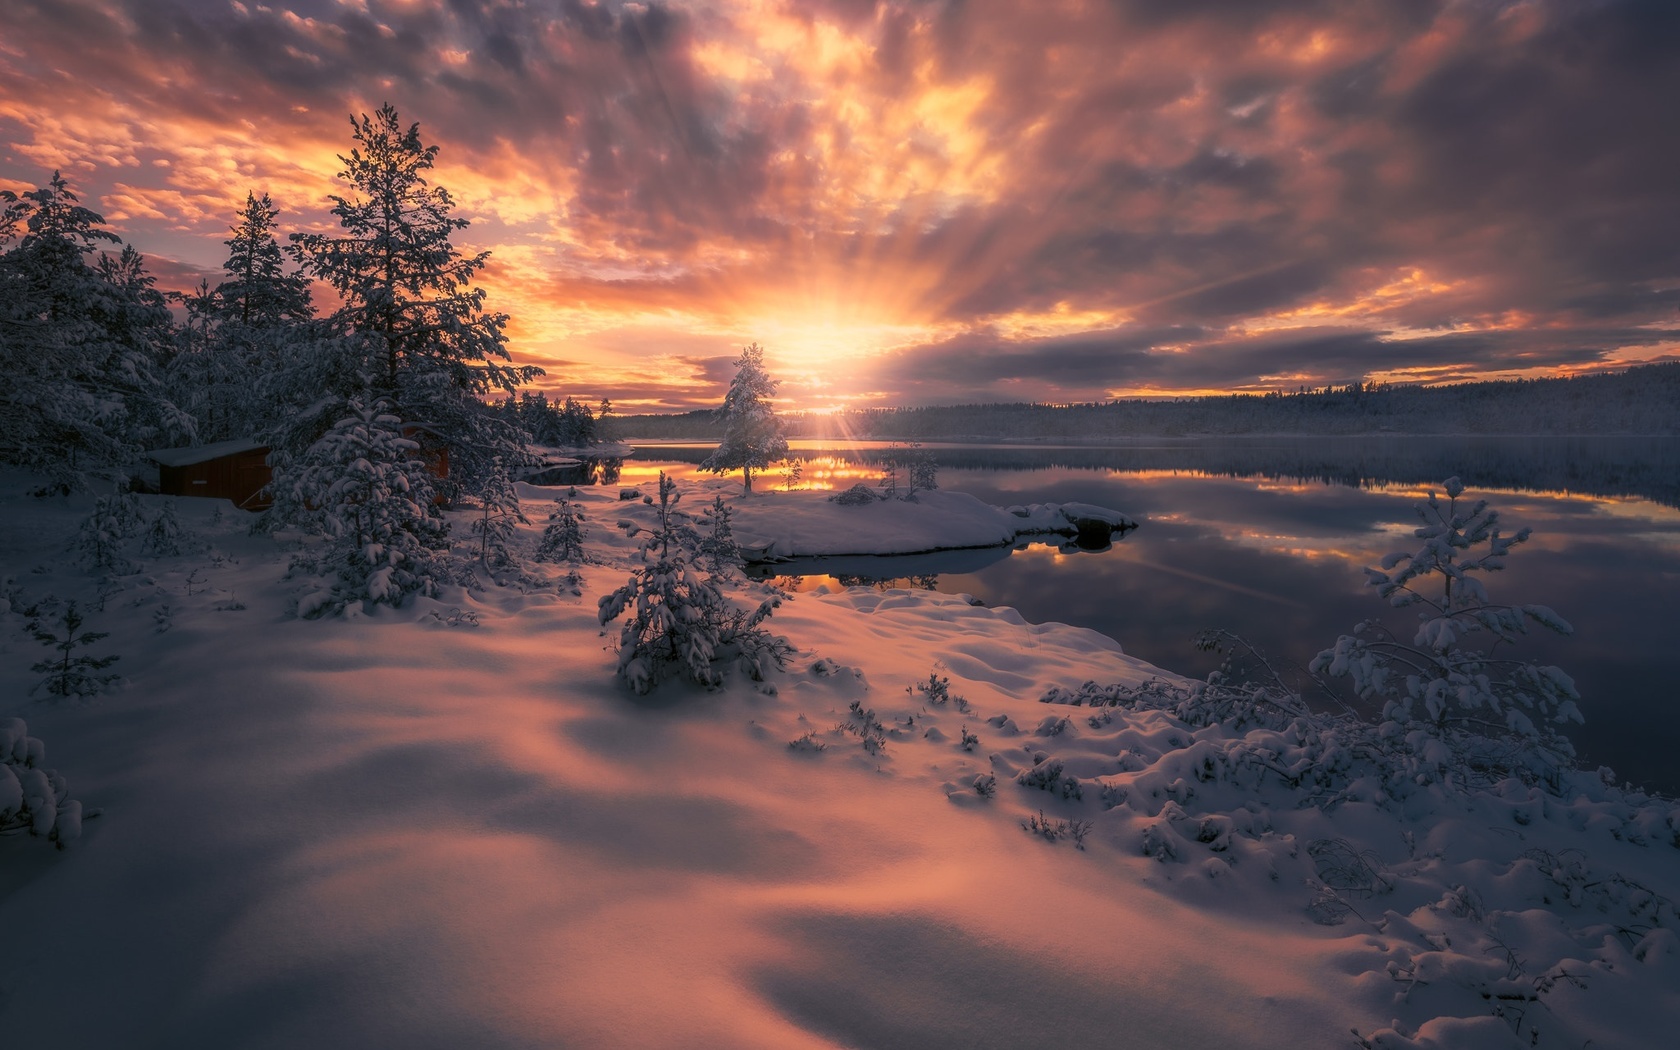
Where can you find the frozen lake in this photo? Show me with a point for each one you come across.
(1266, 538)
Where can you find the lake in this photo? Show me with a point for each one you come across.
(1266, 538)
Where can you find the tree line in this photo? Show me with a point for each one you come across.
(1641, 400)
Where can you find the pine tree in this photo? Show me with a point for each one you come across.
(234, 369)
(752, 435)
(259, 293)
(562, 538)
(369, 492)
(80, 342)
(499, 513)
(422, 331)
(69, 674)
(1447, 697)
(678, 619)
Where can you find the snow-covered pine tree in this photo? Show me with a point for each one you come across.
(79, 342)
(369, 492)
(499, 513)
(243, 334)
(259, 292)
(423, 330)
(677, 617)
(752, 434)
(139, 337)
(163, 533)
(105, 532)
(70, 673)
(718, 548)
(1450, 705)
(562, 538)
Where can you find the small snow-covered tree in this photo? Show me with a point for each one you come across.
(752, 435)
(1446, 694)
(71, 673)
(371, 494)
(677, 618)
(499, 514)
(717, 543)
(163, 533)
(910, 464)
(562, 538)
(105, 532)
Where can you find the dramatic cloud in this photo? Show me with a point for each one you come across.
(931, 200)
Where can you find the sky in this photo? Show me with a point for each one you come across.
(929, 201)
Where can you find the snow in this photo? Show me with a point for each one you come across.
(187, 456)
(447, 824)
(806, 523)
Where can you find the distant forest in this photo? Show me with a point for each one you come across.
(1643, 400)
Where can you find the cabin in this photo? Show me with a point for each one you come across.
(238, 470)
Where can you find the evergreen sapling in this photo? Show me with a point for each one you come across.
(718, 548)
(106, 531)
(69, 673)
(677, 619)
(34, 800)
(562, 538)
(500, 514)
(163, 535)
(1447, 699)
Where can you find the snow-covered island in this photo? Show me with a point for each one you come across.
(448, 823)
(811, 523)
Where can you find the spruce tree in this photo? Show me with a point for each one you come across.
(240, 344)
(81, 341)
(367, 489)
(259, 293)
(752, 435)
(420, 327)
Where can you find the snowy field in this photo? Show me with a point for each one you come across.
(449, 825)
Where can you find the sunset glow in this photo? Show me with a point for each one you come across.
(915, 203)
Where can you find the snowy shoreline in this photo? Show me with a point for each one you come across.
(939, 826)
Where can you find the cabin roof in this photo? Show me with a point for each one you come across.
(186, 457)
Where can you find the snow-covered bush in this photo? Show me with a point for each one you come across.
(857, 496)
(163, 534)
(33, 799)
(562, 538)
(1448, 703)
(370, 493)
(70, 673)
(677, 618)
(106, 530)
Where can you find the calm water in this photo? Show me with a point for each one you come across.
(1266, 538)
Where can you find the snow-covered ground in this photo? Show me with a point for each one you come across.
(448, 825)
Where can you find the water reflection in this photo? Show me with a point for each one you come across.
(1645, 468)
(1277, 557)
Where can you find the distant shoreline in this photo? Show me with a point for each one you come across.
(1132, 440)
(1640, 402)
